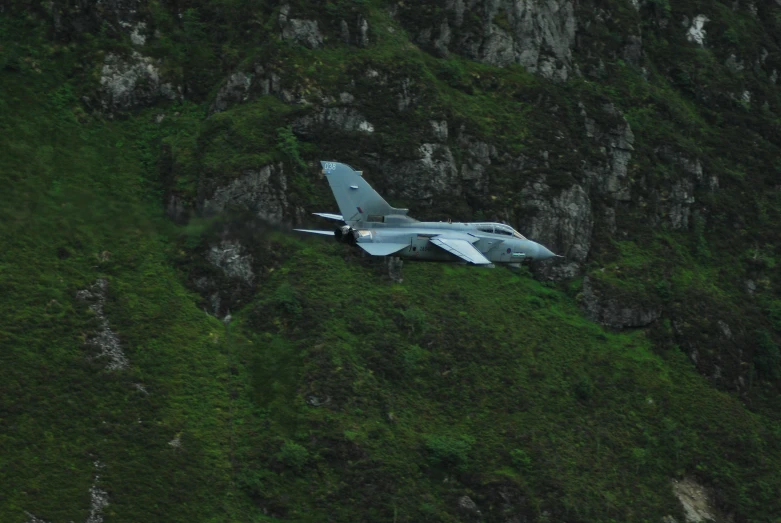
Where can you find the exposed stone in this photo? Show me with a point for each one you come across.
(303, 32)
(696, 501)
(469, 507)
(235, 90)
(98, 499)
(262, 191)
(363, 32)
(345, 30)
(137, 32)
(229, 257)
(434, 173)
(733, 64)
(678, 204)
(406, 96)
(633, 50)
(610, 312)
(177, 209)
(317, 401)
(563, 223)
(725, 330)
(696, 32)
(132, 82)
(751, 286)
(537, 35)
(394, 265)
(342, 118)
(33, 519)
(104, 339)
(439, 129)
(611, 178)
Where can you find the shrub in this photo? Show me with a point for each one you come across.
(520, 460)
(293, 455)
(450, 451)
(767, 357)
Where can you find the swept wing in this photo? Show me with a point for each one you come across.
(329, 215)
(461, 248)
(310, 231)
(382, 249)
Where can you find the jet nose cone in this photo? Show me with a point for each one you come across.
(543, 253)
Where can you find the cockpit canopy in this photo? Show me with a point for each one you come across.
(499, 228)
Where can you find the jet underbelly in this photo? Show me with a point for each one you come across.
(421, 248)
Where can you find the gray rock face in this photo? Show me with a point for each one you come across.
(81, 17)
(433, 173)
(303, 32)
(132, 82)
(263, 192)
(617, 142)
(230, 258)
(674, 201)
(363, 32)
(177, 209)
(104, 339)
(696, 32)
(343, 118)
(563, 223)
(235, 90)
(469, 508)
(633, 50)
(614, 314)
(536, 34)
(394, 265)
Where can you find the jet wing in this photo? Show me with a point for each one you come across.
(329, 215)
(461, 248)
(310, 231)
(382, 249)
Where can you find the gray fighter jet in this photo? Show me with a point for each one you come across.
(381, 230)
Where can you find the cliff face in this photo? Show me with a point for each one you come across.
(639, 138)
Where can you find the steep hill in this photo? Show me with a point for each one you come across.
(169, 351)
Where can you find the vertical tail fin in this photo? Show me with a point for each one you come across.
(355, 197)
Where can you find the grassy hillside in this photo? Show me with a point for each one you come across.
(77, 205)
(334, 394)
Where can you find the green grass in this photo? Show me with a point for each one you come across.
(335, 394)
(75, 209)
(404, 374)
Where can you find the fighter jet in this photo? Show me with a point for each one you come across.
(369, 222)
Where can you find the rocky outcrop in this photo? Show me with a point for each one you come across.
(132, 82)
(230, 258)
(469, 509)
(696, 32)
(263, 192)
(617, 144)
(231, 278)
(346, 119)
(235, 90)
(537, 35)
(103, 339)
(563, 223)
(73, 19)
(303, 32)
(394, 266)
(614, 313)
(674, 199)
(697, 502)
(433, 173)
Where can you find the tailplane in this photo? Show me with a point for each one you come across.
(357, 201)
